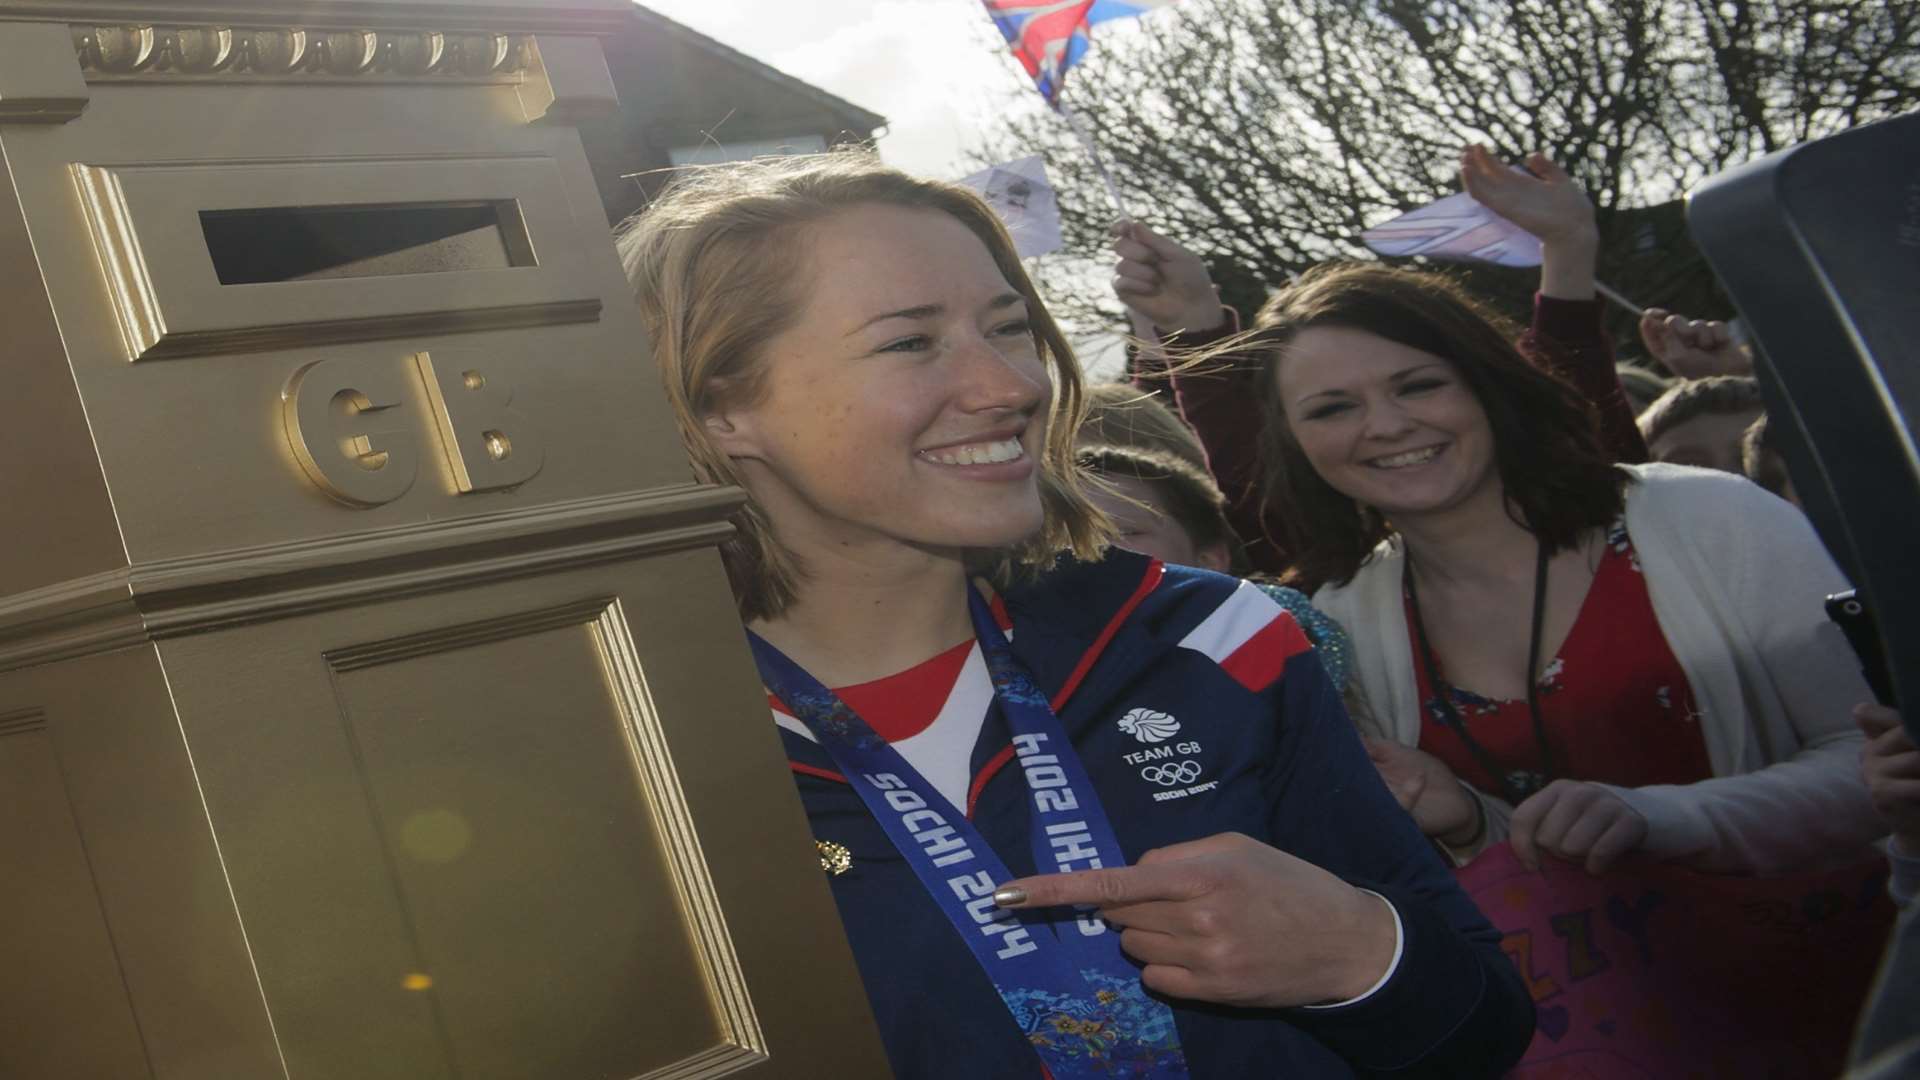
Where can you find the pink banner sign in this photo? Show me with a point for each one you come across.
(1660, 972)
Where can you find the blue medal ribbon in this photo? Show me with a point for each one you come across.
(1075, 998)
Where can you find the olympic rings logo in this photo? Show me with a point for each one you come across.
(1167, 775)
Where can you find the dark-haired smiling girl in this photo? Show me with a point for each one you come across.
(1613, 658)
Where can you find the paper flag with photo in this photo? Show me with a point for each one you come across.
(1019, 192)
(1456, 227)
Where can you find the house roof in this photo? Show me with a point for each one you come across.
(864, 119)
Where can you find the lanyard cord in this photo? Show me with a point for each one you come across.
(1516, 783)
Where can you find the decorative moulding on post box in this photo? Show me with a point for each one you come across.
(294, 53)
(590, 17)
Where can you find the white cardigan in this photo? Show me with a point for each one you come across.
(1737, 578)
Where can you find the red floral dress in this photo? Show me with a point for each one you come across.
(1615, 703)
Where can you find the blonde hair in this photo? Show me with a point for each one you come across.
(718, 264)
(1121, 414)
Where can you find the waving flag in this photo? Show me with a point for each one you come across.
(1456, 227)
(1050, 36)
(1459, 227)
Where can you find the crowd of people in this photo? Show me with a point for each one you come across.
(1157, 718)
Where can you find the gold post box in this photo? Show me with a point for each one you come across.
(372, 703)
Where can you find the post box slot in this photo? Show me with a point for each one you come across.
(307, 243)
(242, 256)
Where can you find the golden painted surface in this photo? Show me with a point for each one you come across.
(371, 700)
(69, 947)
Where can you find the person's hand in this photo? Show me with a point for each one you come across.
(1692, 348)
(1163, 281)
(1233, 921)
(1547, 204)
(1576, 821)
(1890, 765)
(1427, 789)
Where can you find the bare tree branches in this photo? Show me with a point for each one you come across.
(1268, 133)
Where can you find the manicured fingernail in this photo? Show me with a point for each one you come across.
(1009, 897)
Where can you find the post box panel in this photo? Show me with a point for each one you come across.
(535, 862)
(51, 923)
(96, 748)
(502, 832)
(471, 858)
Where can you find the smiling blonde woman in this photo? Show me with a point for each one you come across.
(1028, 880)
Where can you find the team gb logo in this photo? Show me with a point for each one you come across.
(1149, 726)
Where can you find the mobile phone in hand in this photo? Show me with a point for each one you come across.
(1850, 612)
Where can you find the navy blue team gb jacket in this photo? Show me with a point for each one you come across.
(1264, 747)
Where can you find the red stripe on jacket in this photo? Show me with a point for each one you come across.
(1256, 664)
(1156, 571)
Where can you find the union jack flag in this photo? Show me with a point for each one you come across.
(1050, 36)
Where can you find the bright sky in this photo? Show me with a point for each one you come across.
(934, 68)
